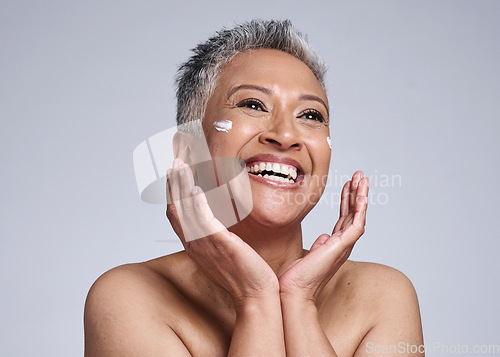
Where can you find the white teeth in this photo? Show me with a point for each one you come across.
(277, 178)
(275, 167)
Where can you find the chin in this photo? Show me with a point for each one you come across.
(276, 215)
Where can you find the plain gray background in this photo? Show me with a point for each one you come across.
(414, 89)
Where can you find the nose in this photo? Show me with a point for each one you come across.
(282, 133)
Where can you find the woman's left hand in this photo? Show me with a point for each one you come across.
(307, 276)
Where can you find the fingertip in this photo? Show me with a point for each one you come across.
(357, 175)
(184, 170)
(355, 180)
(320, 241)
(323, 237)
(364, 185)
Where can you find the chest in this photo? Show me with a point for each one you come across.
(207, 335)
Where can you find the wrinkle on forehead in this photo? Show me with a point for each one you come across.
(262, 65)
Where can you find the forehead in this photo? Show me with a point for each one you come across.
(277, 70)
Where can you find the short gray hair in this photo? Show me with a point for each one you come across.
(197, 77)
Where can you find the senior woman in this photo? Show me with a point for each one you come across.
(251, 289)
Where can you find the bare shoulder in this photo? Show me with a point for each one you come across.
(387, 300)
(380, 289)
(127, 312)
(378, 280)
(134, 283)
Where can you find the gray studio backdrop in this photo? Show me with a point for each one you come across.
(414, 90)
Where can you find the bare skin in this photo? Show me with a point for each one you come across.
(252, 290)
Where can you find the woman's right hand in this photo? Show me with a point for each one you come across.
(223, 256)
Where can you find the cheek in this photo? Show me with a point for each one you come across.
(219, 145)
(320, 151)
(224, 143)
(230, 142)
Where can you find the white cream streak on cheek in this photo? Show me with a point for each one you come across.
(223, 125)
(329, 141)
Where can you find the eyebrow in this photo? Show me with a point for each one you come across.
(249, 86)
(316, 99)
(268, 91)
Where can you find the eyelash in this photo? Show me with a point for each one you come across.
(317, 115)
(248, 102)
(252, 101)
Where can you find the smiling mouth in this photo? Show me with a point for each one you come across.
(273, 171)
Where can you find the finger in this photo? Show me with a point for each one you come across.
(168, 189)
(354, 186)
(172, 214)
(361, 202)
(344, 207)
(204, 215)
(354, 227)
(319, 241)
(186, 181)
(192, 215)
(181, 180)
(175, 205)
(174, 183)
(344, 201)
(196, 218)
(170, 199)
(177, 163)
(188, 216)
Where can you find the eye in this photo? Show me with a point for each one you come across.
(312, 115)
(252, 104)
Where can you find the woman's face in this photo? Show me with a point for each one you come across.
(279, 115)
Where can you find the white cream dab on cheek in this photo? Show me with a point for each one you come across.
(223, 125)
(329, 141)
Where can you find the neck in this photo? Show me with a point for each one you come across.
(279, 247)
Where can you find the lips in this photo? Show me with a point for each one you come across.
(274, 168)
